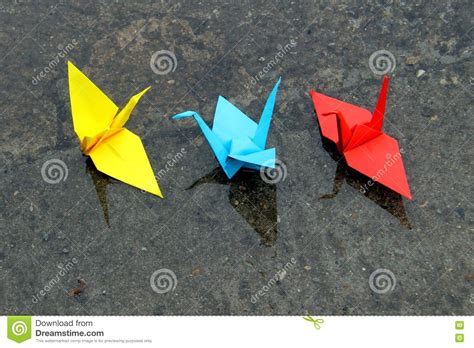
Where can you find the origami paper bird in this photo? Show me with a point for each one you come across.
(358, 135)
(237, 141)
(114, 150)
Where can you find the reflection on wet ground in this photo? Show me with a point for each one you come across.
(252, 198)
(382, 196)
(44, 225)
(100, 181)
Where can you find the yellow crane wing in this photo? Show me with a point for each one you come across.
(123, 157)
(92, 111)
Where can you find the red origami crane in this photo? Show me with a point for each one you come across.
(359, 137)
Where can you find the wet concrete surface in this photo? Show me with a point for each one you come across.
(224, 241)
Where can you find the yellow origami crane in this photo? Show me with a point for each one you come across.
(114, 150)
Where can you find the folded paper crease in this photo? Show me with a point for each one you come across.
(236, 140)
(358, 135)
(115, 150)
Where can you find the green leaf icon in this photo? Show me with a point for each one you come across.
(316, 322)
(19, 328)
(459, 338)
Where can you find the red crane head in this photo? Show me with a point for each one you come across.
(346, 124)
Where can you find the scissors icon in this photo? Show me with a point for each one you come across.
(316, 322)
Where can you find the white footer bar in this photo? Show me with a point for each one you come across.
(237, 331)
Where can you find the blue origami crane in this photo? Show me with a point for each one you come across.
(237, 141)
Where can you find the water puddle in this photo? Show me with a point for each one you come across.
(250, 196)
(101, 181)
(379, 194)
